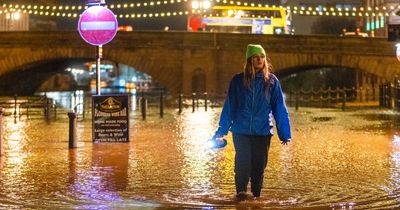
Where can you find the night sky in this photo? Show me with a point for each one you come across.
(154, 23)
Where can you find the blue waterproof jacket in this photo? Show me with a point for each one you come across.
(250, 110)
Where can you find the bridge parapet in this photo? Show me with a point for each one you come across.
(178, 59)
(206, 40)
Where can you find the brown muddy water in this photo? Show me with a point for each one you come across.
(337, 160)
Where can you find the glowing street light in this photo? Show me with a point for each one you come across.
(204, 4)
(13, 16)
(195, 5)
(16, 16)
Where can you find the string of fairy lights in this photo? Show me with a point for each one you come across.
(73, 11)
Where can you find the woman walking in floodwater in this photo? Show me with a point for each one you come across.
(254, 98)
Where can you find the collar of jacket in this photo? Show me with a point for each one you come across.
(260, 74)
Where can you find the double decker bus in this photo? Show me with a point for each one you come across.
(244, 19)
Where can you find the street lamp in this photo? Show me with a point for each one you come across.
(204, 4)
(197, 7)
(16, 15)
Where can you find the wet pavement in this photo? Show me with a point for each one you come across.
(337, 160)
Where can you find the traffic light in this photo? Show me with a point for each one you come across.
(394, 32)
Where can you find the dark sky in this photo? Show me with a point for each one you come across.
(174, 22)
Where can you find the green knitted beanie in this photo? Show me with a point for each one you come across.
(254, 49)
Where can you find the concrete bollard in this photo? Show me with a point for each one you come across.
(205, 101)
(384, 93)
(329, 96)
(55, 110)
(15, 105)
(193, 102)
(344, 100)
(161, 104)
(83, 110)
(373, 93)
(27, 110)
(1, 131)
(180, 103)
(381, 96)
(47, 110)
(73, 116)
(212, 101)
(144, 108)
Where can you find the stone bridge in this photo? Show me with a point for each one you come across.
(186, 62)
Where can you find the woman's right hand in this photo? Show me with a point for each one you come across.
(217, 137)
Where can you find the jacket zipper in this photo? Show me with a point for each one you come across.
(252, 106)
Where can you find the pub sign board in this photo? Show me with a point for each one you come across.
(110, 118)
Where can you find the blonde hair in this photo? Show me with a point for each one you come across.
(250, 72)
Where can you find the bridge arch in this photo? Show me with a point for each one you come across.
(143, 60)
(347, 76)
(153, 63)
(382, 67)
(172, 57)
(29, 78)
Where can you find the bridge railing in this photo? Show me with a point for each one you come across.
(389, 95)
(322, 98)
(30, 107)
(333, 97)
(18, 106)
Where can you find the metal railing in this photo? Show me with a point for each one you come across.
(329, 97)
(389, 95)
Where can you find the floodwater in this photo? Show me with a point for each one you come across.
(337, 160)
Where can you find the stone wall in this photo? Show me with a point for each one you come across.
(174, 59)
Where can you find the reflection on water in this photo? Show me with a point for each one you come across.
(107, 175)
(337, 160)
(393, 189)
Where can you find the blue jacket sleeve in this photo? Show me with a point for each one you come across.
(280, 113)
(225, 120)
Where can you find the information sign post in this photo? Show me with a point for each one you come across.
(110, 118)
(97, 26)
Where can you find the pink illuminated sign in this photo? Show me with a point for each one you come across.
(97, 25)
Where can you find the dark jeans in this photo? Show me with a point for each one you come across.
(250, 161)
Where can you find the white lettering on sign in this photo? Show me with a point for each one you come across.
(99, 25)
(102, 114)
